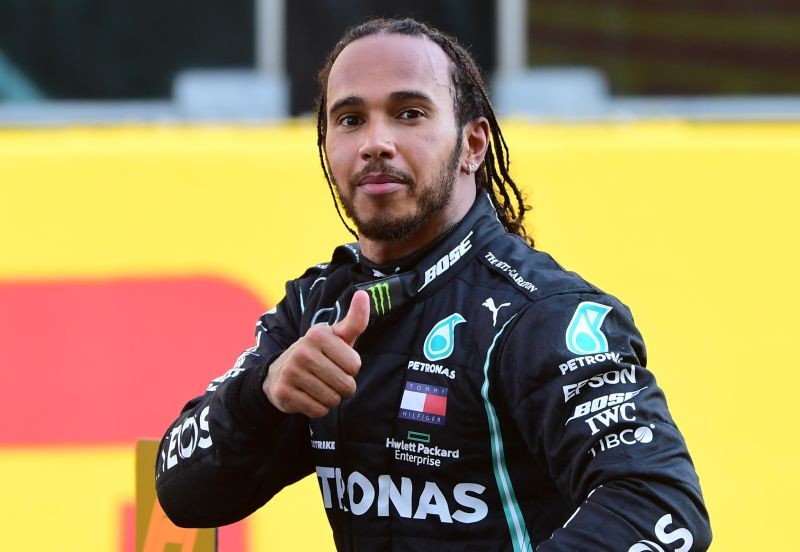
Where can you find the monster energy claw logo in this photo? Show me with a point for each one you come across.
(381, 298)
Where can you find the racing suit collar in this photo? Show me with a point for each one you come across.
(403, 264)
(433, 269)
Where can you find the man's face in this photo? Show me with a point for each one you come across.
(392, 143)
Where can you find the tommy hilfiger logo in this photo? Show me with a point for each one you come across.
(424, 403)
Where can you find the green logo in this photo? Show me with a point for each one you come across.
(381, 298)
(419, 437)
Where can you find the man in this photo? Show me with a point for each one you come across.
(452, 388)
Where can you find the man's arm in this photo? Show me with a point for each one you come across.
(574, 376)
(246, 438)
(230, 450)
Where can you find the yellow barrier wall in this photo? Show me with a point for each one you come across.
(692, 225)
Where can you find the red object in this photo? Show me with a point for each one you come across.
(113, 361)
(435, 404)
(128, 524)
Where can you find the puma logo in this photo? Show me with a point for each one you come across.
(489, 304)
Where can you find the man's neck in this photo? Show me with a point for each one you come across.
(382, 252)
(387, 252)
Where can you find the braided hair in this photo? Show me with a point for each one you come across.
(470, 101)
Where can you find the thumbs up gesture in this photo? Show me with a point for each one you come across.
(318, 370)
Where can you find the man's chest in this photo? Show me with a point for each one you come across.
(423, 406)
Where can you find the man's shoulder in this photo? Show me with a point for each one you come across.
(533, 273)
(344, 256)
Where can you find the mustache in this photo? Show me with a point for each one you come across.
(382, 167)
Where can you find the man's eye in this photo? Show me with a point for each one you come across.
(411, 114)
(349, 120)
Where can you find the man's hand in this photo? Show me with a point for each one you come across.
(318, 370)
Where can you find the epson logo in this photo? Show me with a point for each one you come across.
(612, 377)
(408, 502)
(447, 261)
(179, 448)
(666, 537)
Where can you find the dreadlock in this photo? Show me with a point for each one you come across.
(470, 101)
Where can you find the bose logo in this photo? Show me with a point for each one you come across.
(447, 261)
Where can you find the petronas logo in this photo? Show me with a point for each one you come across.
(584, 336)
(381, 298)
(439, 343)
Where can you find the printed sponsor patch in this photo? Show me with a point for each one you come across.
(384, 295)
(381, 297)
(447, 261)
(439, 342)
(583, 334)
(424, 403)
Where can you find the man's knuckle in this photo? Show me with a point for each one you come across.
(280, 392)
(353, 366)
(302, 355)
(286, 404)
(350, 386)
(316, 334)
(333, 400)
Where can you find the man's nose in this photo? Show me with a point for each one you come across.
(378, 141)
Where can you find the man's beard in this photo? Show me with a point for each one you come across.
(385, 226)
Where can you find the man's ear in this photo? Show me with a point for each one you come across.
(476, 136)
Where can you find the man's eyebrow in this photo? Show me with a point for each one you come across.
(403, 95)
(348, 101)
(395, 97)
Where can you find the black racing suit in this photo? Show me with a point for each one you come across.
(502, 404)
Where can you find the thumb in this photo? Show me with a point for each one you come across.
(354, 324)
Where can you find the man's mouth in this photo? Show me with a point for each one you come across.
(380, 184)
